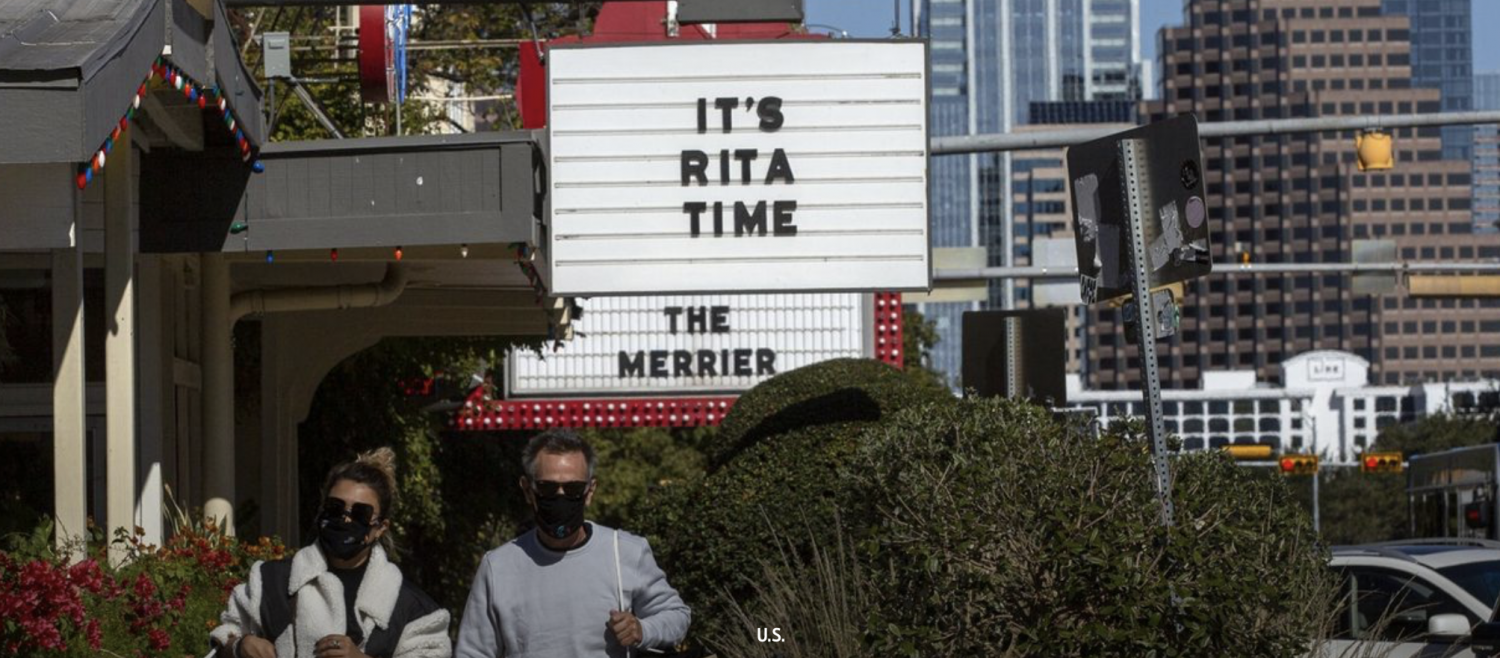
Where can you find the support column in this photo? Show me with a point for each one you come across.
(279, 495)
(69, 435)
(218, 395)
(154, 366)
(119, 339)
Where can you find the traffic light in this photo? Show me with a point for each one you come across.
(1374, 149)
(1248, 451)
(1381, 462)
(1299, 464)
(1477, 514)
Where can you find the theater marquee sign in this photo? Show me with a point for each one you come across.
(738, 167)
(694, 344)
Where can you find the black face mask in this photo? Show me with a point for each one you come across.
(559, 516)
(342, 538)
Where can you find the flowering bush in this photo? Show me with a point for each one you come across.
(159, 601)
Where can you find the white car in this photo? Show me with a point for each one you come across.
(1430, 597)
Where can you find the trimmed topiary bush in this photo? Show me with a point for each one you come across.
(773, 472)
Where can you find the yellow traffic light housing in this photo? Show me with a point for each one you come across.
(1299, 464)
(1375, 151)
(1248, 451)
(1381, 462)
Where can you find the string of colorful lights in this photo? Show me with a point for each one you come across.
(165, 73)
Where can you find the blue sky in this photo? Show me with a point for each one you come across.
(872, 18)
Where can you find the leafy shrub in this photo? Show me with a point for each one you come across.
(772, 473)
(1004, 531)
(982, 528)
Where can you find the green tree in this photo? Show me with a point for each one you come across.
(331, 72)
(918, 336)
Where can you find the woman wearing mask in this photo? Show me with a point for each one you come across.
(340, 597)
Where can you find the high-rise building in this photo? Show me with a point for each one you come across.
(1487, 156)
(990, 60)
(1113, 59)
(1300, 199)
(1442, 58)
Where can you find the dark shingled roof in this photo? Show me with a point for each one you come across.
(62, 35)
(69, 69)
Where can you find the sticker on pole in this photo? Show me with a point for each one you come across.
(796, 166)
(1172, 204)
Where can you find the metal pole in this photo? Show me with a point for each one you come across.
(317, 110)
(1400, 267)
(1133, 167)
(1317, 527)
(1058, 138)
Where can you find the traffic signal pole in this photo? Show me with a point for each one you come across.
(1399, 267)
(1046, 139)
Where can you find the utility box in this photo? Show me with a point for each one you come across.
(1452, 493)
(277, 47)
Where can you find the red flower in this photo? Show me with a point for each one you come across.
(144, 587)
(159, 639)
(88, 575)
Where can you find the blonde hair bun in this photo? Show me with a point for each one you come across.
(382, 459)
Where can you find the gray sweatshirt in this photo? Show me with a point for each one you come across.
(528, 600)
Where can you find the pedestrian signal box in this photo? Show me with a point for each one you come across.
(1381, 462)
(1299, 464)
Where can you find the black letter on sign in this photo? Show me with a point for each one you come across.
(724, 167)
(694, 209)
(719, 319)
(632, 366)
(695, 165)
(672, 313)
(745, 156)
(782, 214)
(706, 364)
(702, 115)
(770, 114)
(765, 361)
(718, 219)
(742, 363)
(697, 320)
(682, 363)
(780, 168)
(658, 363)
(746, 222)
(727, 105)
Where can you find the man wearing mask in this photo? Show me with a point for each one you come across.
(569, 587)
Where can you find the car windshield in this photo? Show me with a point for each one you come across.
(1482, 579)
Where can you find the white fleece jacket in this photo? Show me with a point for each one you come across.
(320, 610)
